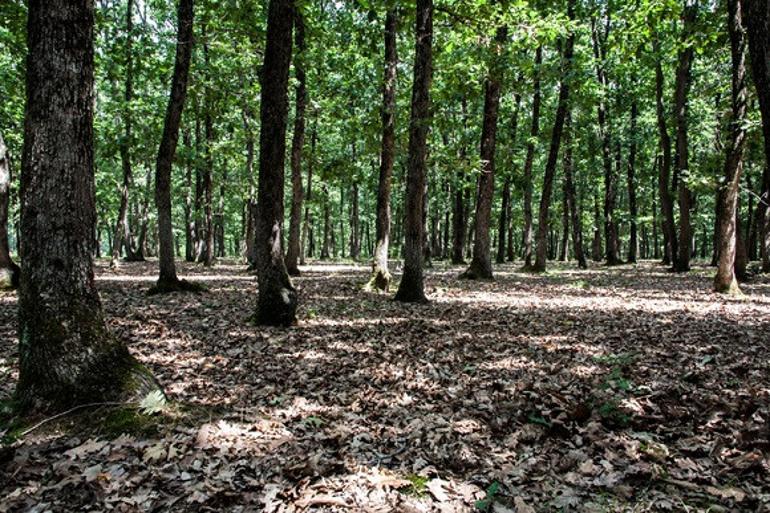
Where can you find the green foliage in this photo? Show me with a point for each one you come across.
(486, 503)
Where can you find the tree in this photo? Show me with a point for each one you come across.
(9, 271)
(380, 273)
(529, 160)
(168, 280)
(553, 153)
(298, 141)
(277, 302)
(725, 280)
(411, 288)
(122, 233)
(481, 264)
(757, 19)
(681, 105)
(569, 186)
(67, 355)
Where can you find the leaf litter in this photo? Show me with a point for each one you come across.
(623, 389)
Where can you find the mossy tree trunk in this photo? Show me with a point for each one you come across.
(411, 288)
(67, 355)
(277, 302)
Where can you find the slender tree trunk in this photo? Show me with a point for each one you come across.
(251, 205)
(664, 169)
(9, 271)
(207, 254)
(725, 280)
(655, 246)
(633, 241)
(553, 153)
(167, 280)
(277, 304)
(122, 229)
(741, 255)
(481, 264)
(503, 225)
(459, 217)
(298, 141)
(308, 248)
(757, 19)
(355, 240)
(411, 288)
(596, 243)
(681, 92)
(328, 232)
(380, 274)
(564, 246)
(529, 161)
(610, 177)
(189, 231)
(572, 204)
(67, 354)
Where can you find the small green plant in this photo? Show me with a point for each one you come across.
(419, 485)
(534, 418)
(610, 411)
(313, 422)
(486, 503)
(312, 313)
(616, 380)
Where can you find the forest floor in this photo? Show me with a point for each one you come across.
(622, 389)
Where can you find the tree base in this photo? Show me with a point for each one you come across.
(728, 289)
(9, 277)
(477, 272)
(614, 262)
(410, 296)
(168, 286)
(380, 280)
(277, 306)
(293, 271)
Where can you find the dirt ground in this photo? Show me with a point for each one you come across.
(611, 389)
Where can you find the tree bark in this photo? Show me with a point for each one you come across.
(411, 288)
(670, 253)
(633, 241)
(505, 208)
(610, 178)
(725, 280)
(355, 239)
(307, 247)
(167, 280)
(9, 271)
(67, 355)
(459, 217)
(298, 141)
(528, 162)
(380, 274)
(207, 254)
(681, 106)
(277, 303)
(553, 153)
(122, 227)
(572, 204)
(480, 267)
(757, 19)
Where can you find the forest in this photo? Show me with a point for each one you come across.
(503, 256)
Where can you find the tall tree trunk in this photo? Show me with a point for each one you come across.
(528, 162)
(664, 168)
(307, 248)
(725, 280)
(355, 240)
(553, 153)
(572, 203)
(681, 92)
(189, 215)
(610, 178)
(564, 246)
(596, 243)
(206, 256)
(633, 241)
(122, 227)
(411, 288)
(459, 217)
(757, 19)
(277, 303)
(298, 141)
(167, 280)
(328, 232)
(481, 264)
(251, 205)
(380, 274)
(9, 271)
(67, 354)
(505, 208)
